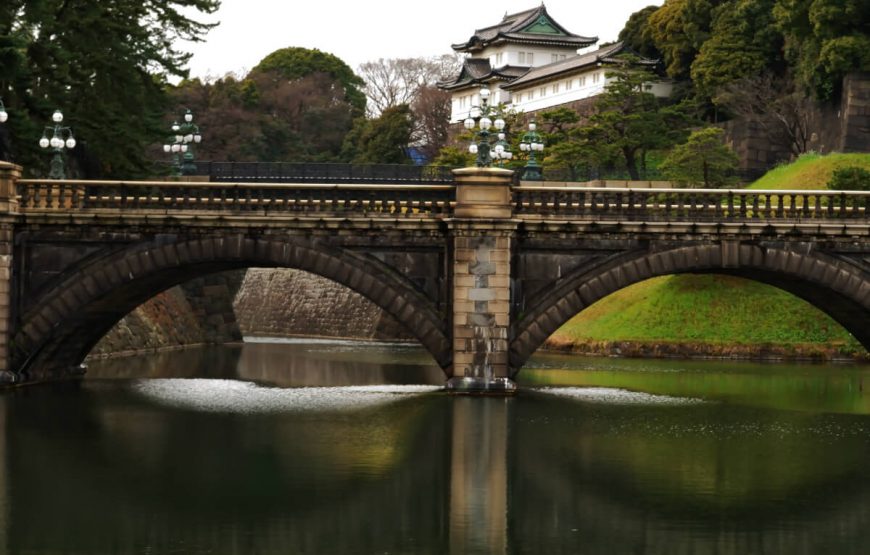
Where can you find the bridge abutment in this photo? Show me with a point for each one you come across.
(481, 236)
(9, 176)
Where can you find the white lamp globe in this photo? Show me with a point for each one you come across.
(485, 123)
(70, 143)
(533, 126)
(183, 148)
(499, 149)
(499, 124)
(475, 112)
(472, 149)
(176, 148)
(55, 142)
(484, 93)
(44, 142)
(167, 148)
(57, 116)
(188, 117)
(468, 123)
(524, 147)
(175, 126)
(197, 138)
(3, 116)
(508, 154)
(179, 138)
(188, 138)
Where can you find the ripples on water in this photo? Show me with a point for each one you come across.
(612, 396)
(233, 396)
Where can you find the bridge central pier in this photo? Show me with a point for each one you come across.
(481, 233)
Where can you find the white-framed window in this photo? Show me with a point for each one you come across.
(498, 59)
(462, 100)
(542, 91)
(554, 57)
(530, 58)
(531, 95)
(519, 98)
(595, 77)
(522, 57)
(582, 81)
(569, 84)
(556, 88)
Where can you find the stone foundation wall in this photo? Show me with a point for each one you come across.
(282, 302)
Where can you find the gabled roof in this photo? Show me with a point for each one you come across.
(533, 26)
(478, 71)
(604, 55)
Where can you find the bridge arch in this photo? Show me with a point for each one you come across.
(62, 327)
(834, 285)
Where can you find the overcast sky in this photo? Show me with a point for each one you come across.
(358, 31)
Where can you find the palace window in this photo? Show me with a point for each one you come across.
(543, 91)
(569, 84)
(554, 58)
(519, 98)
(531, 95)
(498, 59)
(595, 77)
(530, 58)
(555, 88)
(522, 59)
(582, 81)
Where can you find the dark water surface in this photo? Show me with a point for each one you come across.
(197, 452)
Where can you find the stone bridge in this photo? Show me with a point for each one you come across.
(480, 271)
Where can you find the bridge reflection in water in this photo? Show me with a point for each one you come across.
(110, 466)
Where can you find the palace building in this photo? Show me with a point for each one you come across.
(530, 63)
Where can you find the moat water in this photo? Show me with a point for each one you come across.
(332, 447)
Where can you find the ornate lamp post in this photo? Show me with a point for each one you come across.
(186, 135)
(531, 143)
(61, 137)
(480, 116)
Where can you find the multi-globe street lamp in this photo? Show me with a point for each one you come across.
(3, 114)
(480, 116)
(532, 142)
(185, 135)
(61, 137)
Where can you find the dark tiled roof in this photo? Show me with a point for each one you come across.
(511, 29)
(606, 54)
(478, 70)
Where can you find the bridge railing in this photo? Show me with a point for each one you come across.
(393, 200)
(691, 205)
(286, 172)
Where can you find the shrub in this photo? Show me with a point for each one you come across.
(851, 178)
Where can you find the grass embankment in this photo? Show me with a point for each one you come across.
(810, 171)
(717, 316)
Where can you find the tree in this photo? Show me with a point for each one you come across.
(431, 109)
(383, 140)
(824, 41)
(743, 42)
(776, 104)
(703, 160)
(630, 119)
(296, 63)
(636, 33)
(105, 64)
(679, 28)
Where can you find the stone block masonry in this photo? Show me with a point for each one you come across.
(481, 242)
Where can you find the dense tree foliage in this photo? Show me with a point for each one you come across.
(297, 63)
(637, 36)
(382, 140)
(104, 64)
(293, 106)
(702, 161)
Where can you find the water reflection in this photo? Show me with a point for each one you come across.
(103, 468)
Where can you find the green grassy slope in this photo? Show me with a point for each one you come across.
(718, 311)
(704, 308)
(810, 171)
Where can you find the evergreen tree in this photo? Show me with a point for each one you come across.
(702, 161)
(104, 64)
